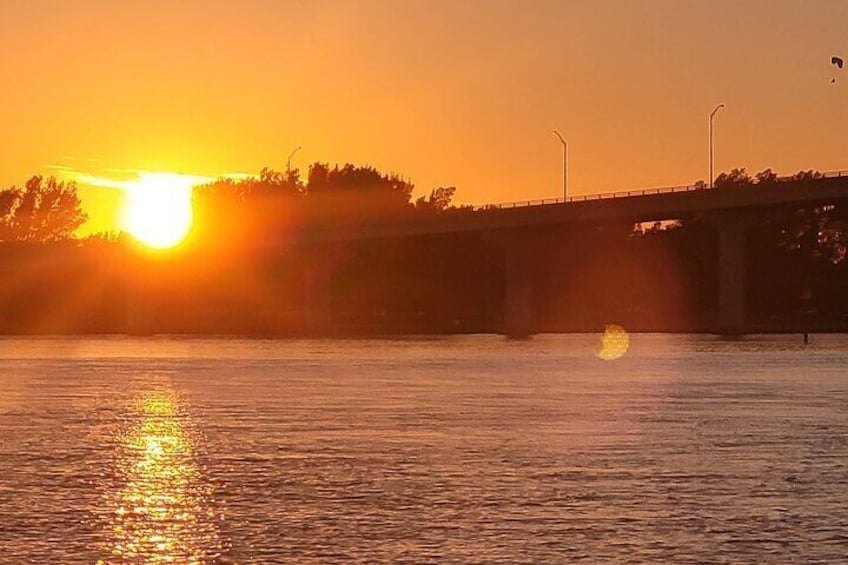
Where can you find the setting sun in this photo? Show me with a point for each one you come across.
(157, 209)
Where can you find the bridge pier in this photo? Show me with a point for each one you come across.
(519, 269)
(139, 306)
(731, 295)
(319, 267)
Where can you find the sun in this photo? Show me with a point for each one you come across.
(157, 209)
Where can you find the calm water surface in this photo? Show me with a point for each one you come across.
(448, 450)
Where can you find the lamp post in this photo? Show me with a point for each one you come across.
(288, 161)
(712, 115)
(564, 166)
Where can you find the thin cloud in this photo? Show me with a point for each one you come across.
(121, 178)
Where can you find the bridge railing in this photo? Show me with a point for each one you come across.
(637, 192)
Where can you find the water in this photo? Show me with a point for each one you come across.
(448, 450)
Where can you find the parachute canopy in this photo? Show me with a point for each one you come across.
(837, 61)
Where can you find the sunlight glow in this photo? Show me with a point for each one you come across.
(157, 209)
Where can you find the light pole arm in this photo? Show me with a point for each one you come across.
(291, 155)
(556, 133)
(564, 166)
(712, 115)
(715, 110)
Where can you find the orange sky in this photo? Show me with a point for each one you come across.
(444, 92)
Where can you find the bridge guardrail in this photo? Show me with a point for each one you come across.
(630, 193)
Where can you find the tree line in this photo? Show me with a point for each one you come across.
(652, 277)
(818, 231)
(50, 210)
(44, 210)
(251, 209)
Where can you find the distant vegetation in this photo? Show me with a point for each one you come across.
(818, 232)
(740, 177)
(244, 266)
(264, 206)
(44, 210)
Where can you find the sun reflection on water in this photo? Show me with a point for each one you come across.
(161, 510)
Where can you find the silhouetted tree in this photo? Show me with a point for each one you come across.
(255, 207)
(818, 232)
(766, 176)
(233, 210)
(352, 193)
(44, 210)
(736, 177)
(438, 201)
(806, 175)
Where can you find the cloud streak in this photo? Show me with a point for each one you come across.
(125, 178)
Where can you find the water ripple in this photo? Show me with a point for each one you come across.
(434, 451)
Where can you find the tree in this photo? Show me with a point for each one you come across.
(818, 232)
(438, 201)
(736, 177)
(44, 210)
(229, 209)
(766, 176)
(807, 175)
(357, 191)
(252, 208)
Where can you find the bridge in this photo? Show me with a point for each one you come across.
(518, 225)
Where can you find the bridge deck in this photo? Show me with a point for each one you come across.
(636, 206)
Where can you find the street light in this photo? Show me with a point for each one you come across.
(712, 115)
(288, 161)
(564, 165)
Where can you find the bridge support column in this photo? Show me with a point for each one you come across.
(518, 284)
(138, 321)
(319, 269)
(731, 295)
(139, 306)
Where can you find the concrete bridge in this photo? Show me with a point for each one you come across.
(519, 226)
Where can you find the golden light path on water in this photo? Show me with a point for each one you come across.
(614, 343)
(161, 510)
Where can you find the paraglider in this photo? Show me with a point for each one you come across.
(837, 61)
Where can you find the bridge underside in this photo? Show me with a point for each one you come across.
(731, 268)
(524, 271)
(530, 246)
(577, 285)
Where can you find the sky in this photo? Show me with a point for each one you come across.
(444, 93)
